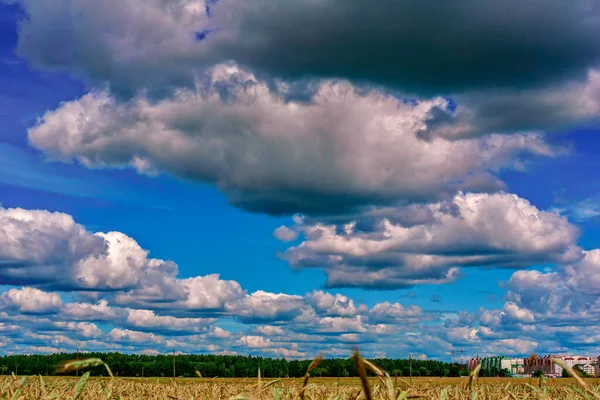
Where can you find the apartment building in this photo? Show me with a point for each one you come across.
(529, 365)
(498, 363)
(473, 363)
(517, 366)
(544, 364)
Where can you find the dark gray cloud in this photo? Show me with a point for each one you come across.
(554, 108)
(427, 47)
(509, 66)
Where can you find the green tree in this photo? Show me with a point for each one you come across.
(580, 371)
(538, 373)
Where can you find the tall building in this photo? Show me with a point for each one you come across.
(529, 365)
(545, 364)
(589, 369)
(473, 363)
(491, 364)
(517, 366)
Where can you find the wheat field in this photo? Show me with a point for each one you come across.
(380, 387)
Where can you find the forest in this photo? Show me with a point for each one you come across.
(223, 366)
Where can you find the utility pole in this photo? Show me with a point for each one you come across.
(77, 356)
(173, 363)
(142, 372)
(410, 366)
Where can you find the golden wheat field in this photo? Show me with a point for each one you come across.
(320, 388)
(381, 387)
(324, 388)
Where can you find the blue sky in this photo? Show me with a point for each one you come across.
(204, 182)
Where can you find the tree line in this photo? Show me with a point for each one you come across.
(224, 366)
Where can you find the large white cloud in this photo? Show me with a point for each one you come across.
(207, 293)
(148, 321)
(387, 312)
(100, 311)
(550, 311)
(133, 337)
(50, 249)
(376, 250)
(263, 306)
(344, 147)
(386, 327)
(134, 317)
(31, 301)
(334, 305)
(567, 294)
(35, 244)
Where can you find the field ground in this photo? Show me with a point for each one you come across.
(318, 388)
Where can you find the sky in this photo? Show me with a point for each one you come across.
(213, 177)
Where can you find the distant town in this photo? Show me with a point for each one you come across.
(535, 365)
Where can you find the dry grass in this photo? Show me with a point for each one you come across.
(380, 387)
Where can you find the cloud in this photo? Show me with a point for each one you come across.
(387, 312)
(100, 311)
(206, 293)
(127, 336)
(390, 327)
(35, 244)
(255, 342)
(515, 313)
(340, 149)
(31, 301)
(554, 108)
(338, 325)
(285, 234)
(567, 294)
(269, 330)
(219, 333)
(512, 347)
(147, 45)
(547, 312)
(261, 306)
(51, 250)
(124, 265)
(334, 305)
(148, 321)
(265, 344)
(499, 229)
(83, 329)
(580, 211)
(153, 308)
